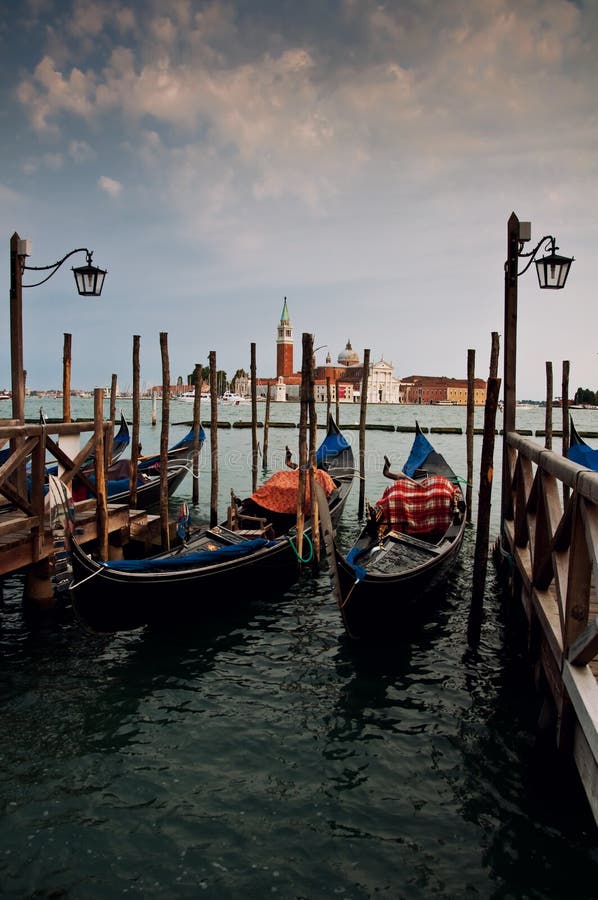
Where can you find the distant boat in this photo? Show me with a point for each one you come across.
(189, 396)
(235, 399)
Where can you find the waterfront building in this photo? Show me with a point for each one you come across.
(346, 376)
(430, 389)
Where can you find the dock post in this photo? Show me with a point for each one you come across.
(197, 379)
(510, 358)
(548, 417)
(213, 440)
(164, 529)
(565, 412)
(480, 560)
(111, 415)
(362, 418)
(254, 454)
(38, 592)
(266, 428)
(303, 444)
(135, 444)
(313, 426)
(66, 378)
(469, 429)
(100, 472)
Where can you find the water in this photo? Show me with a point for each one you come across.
(266, 757)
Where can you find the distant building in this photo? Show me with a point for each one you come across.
(346, 377)
(284, 344)
(430, 389)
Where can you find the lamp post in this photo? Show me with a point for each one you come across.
(89, 280)
(552, 271)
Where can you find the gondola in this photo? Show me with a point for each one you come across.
(118, 486)
(411, 540)
(251, 558)
(579, 451)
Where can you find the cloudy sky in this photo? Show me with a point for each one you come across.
(360, 158)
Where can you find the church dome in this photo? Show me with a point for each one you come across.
(348, 356)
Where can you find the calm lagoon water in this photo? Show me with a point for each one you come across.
(267, 757)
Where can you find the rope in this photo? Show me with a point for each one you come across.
(311, 549)
(76, 584)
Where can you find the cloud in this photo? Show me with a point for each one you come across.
(80, 151)
(110, 186)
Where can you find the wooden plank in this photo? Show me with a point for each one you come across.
(585, 762)
(582, 689)
(585, 647)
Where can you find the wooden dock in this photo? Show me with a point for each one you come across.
(18, 546)
(550, 537)
(26, 539)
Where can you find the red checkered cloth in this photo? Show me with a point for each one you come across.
(418, 507)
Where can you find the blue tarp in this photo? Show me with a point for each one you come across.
(360, 572)
(331, 446)
(584, 456)
(420, 450)
(189, 560)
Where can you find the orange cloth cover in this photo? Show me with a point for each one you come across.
(279, 492)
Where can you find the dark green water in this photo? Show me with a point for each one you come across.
(266, 757)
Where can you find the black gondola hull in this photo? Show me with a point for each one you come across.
(386, 608)
(388, 581)
(107, 600)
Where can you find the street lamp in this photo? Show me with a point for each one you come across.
(89, 280)
(552, 271)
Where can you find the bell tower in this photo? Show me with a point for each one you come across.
(284, 344)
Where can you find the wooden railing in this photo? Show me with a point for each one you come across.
(36, 442)
(551, 527)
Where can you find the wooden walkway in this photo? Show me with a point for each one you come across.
(550, 533)
(18, 548)
(26, 541)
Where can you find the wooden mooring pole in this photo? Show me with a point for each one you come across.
(307, 346)
(266, 429)
(111, 417)
(136, 404)
(313, 438)
(254, 450)
(164, 529)
(66, 378)
(197, 379)
(548, 416)
(469, 429)
(213, 440)
(362, 419)
(565, 426)
(480, 561)
(100, 473)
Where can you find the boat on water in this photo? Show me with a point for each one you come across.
(250, 556)
(579, 451)
(234, 399)
(409, 544)
(118, 476)
(189, 396)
